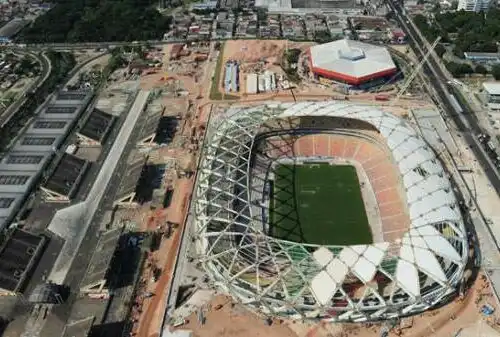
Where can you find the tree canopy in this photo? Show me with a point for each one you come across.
(430, 31)
(476, 32)
(459, 69)
(98, 21)
(495, 71)
(480, 69)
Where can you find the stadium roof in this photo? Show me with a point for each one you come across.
(435, 244)
(17, 255)
(352, 61)
(66, 177)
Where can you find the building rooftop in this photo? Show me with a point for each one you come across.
(17, 255)
(66, 177)
(351, 58)
(148, 124)
(130, 180)
(369, 23)
(492, 88)
(35, 147)
(97, 126)
(14, 26)
(96, 274)
(471, 54)
(81, 328)
(72, 95)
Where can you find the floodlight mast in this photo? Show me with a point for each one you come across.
(415, 72)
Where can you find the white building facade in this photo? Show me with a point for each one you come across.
(492, 94)
(475, 5)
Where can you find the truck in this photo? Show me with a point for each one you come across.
(381, 97)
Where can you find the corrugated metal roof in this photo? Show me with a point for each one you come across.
(252, 83)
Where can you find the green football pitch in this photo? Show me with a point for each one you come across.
(318, 204)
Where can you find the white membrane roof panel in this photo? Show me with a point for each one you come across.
(323, 287)
(406, 252)
(374, 255)
(364, 269)
(323, 256)
(348, 256)
(337, 270)
(407, 277)
(427, 262)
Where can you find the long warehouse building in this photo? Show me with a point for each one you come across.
(22, 166)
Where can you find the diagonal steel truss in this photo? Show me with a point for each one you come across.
(275, 276)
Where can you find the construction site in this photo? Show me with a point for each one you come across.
(132, 281)
(207, 313)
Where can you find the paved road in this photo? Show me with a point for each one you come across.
(466, 122)
(46, 69)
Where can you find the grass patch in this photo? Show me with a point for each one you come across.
(318, 204)
(215, 93)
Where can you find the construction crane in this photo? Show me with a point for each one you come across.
(415, 71)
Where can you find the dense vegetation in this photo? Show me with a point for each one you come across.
(431, 32)
(495, 71)
(468, 31)
(98, 21)
(289, 64)
(476, 32)
(459, 69)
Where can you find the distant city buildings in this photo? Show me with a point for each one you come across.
(285, 19)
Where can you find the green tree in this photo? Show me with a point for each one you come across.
(471, 31)
(25, 66)
(459, 69)
(495, 71)
(480, 69)
(98, 21)
(440, 50)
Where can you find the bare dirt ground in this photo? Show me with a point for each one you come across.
(253, 50)
(225, 318)
(153, 308)
(233, 320)
(181, 93)
(97, 64)
(256, 56)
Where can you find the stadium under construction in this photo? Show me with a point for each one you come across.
(279, 189)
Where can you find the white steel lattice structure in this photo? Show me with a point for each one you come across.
(284, 278)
